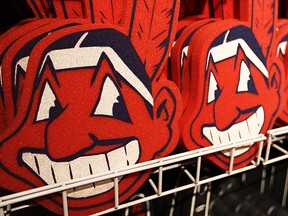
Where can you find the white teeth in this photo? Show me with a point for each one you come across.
(80, 168)
(233, 133)
(252, 121)
(55, 172)
(224, 138)
(95, 161)
(60, 171)
(215, 135)
(89, 190)
(245, 129)
(132, 150)
(117, 159)
(260, 116)
(124, 156)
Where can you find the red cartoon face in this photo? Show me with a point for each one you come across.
(235, 104)
(280, 53)
(92, 111)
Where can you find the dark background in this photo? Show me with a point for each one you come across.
(13, 11)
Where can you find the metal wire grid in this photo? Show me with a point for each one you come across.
(275, 138)
(160, 166)
(275, 142)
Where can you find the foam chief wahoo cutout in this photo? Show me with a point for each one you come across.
(179, 54)
(235, 83)
(280, 52)
(92, 102)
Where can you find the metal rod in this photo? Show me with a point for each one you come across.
(190, 176)
(160, 180)
(8, 210)
(170, 167)
(272, 177)
(263, 180)
(207, 205)
(278, 131)
(244, 177)
(232, 152)
(198, 169)
(193, 201)
(274, 160)
(280, 149)
(284, 199)
(153, 185)
(259, 153)
(268, 148)
(22, 207)
(2, 211)
(116, 193)
(65, 203)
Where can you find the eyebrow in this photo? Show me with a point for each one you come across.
(23, 62)
(281, 48)
(83, 57)
(229, 49)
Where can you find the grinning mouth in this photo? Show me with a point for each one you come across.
(55, 172)
(242, 130)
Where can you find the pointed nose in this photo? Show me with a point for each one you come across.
(225, 113)
(67, 136)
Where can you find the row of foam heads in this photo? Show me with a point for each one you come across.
(87, 88)
(83, 96)
(231, 72)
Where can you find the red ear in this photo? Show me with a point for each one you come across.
(275, 77)
(165, 105)
(168, 109)
(152, 32)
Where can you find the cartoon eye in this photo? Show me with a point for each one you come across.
(111, 102)
(21, 69)
(214, 90)
(49, 107)
(246, 83)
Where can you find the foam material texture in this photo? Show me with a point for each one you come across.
(235, 87)
(92, 102)
(280, 50)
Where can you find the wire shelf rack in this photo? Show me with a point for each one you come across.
(274, 141)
